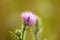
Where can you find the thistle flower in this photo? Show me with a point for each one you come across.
(28, 18)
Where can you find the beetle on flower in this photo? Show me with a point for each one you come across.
(28, 18)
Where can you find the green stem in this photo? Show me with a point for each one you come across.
(23, 32)
(36, 34)
(37, 30)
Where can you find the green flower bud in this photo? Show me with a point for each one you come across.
(18, 32)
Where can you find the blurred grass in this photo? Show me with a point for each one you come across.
(48, 10)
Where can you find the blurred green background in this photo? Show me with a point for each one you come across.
(47, 10)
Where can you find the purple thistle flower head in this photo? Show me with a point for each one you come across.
(28, 18)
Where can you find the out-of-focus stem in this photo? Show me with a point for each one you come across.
(36, 30)
(36, 35)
